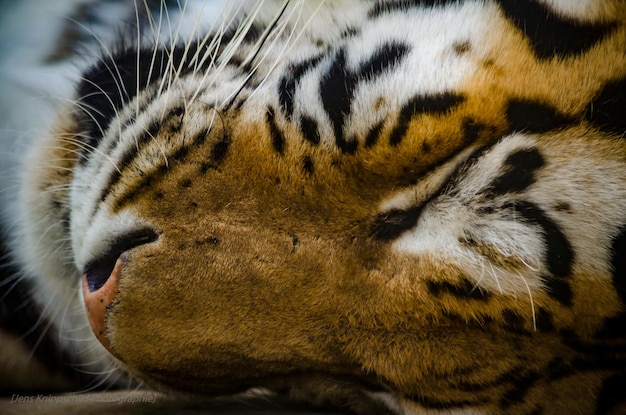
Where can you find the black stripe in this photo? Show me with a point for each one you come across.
(559, 252)
(611, 394)
(336, 89)
(544, 320)
(436, 403)
(465, 290)
(374, 134)
(132, 151)
(535, 117)
(276, 135)
(112, 82)
(339, 83)
(517, 394)
(471, 130)
(519, 172)
(289, 82)
(384, 7)
(219, 151)
(513, 322)
(618, 264)
(615, 327)
(386, 57)
(310, 130)
(308, 165)
(423, 104)
(549, 34)
(597, 350)
(390, 225)
(607, 110)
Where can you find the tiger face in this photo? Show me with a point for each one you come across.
(412, 207)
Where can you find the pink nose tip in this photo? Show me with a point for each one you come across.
(97, 301)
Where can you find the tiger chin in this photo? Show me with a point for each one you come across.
(402, 207)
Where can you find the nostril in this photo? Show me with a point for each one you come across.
(97, 275)
(98, 271)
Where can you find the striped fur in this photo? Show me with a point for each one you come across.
(405, 207)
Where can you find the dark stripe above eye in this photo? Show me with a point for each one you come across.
(550, 34)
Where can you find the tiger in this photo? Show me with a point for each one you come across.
(385, 206)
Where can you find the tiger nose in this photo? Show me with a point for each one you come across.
(99, 291)
(101, 278)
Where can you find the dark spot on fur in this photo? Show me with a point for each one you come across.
(205, 167)
(180, 153)
(185, 183)
(219, 151)
(562, 207)
(471, 130)
(615, 326)
(461, 48)
(210, 240)
(307, 165)
(558, 368)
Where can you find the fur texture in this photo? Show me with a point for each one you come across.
(412, 207)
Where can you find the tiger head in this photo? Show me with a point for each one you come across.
(420, 205)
